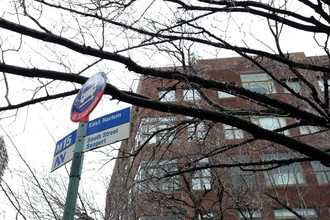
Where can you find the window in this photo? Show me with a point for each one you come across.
(250, 214)
(258, 82)
(294, 85)
(209, 216)
(158, 217)
(196, 132)
(321, 84)
(270, 123)
(156, 128)
(151, 176)
(241, 179)
(232, 132)
(225, 95)
(308, 129)
(322, 172)
(190, 95)
(284, 175)
(201, 179)
(167, 95)
(306, 213)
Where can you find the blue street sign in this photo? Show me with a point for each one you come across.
(64, 150)
(112, 128)
(108, 121)
(65, 142)
(88, 97)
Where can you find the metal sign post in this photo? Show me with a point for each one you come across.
(75, 173)
(86, 100)
(90, 135)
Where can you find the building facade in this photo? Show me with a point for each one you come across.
(3, 156)
(178, 167)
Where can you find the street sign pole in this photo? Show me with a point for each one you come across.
(99, 132)
(75, 173)
(86, 100)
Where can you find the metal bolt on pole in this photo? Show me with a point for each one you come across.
(75, 173)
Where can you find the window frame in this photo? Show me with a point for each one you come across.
(294, 84)
(160, 217)
(320, 83)
(149, 125)
(151, 173)
(209, 215)
(225, 95)
(234, 132)
(189, 94)
(281, 121)
(293, 173)
(166, 95)
(321, 172)
(196, 132)
(238, 176)
(260, 78)
(289, 215)
(201, 178)
(308, 129)
(250, 214)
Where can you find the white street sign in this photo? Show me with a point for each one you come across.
(62, 158)
(106, 137)
(64, 150)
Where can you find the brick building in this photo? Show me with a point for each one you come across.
(177, 167)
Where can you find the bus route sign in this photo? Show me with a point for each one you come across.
(88, 97)
(101, 131)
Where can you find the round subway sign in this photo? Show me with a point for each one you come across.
(88, 97)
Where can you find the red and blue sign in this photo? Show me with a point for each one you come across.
(88, 97)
